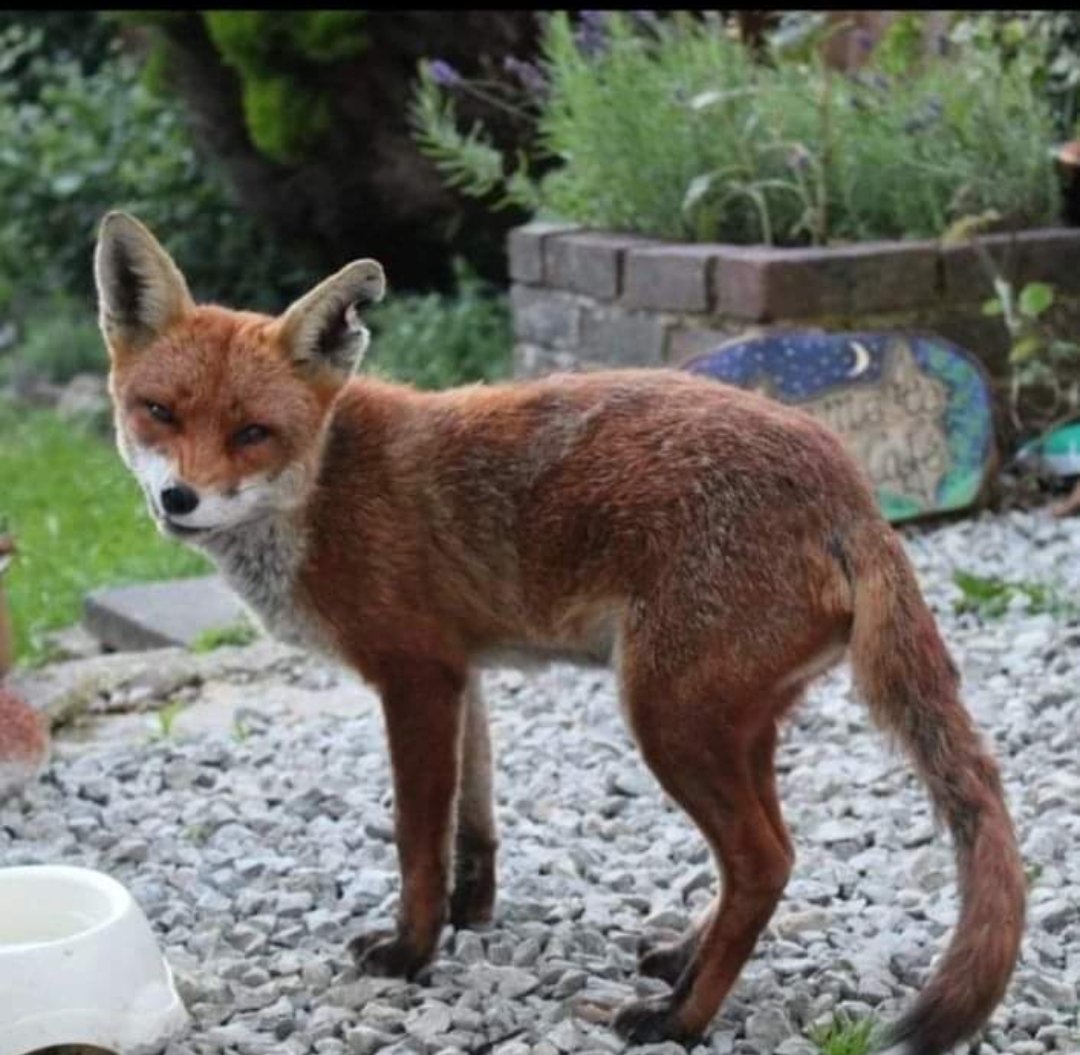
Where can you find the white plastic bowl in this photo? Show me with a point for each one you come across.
(79, 965)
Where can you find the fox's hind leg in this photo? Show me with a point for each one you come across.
(707, 744)
(668, 961)
(473, 898)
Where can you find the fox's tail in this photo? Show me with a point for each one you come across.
(905, 673)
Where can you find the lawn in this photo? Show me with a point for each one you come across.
(79, 521)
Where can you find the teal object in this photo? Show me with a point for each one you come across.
(914, 409)
(1058, 452)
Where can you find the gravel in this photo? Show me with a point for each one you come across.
(257, 851)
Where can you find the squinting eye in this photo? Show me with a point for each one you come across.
(160, 413)
(249, 435)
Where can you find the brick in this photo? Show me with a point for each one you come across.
(545, 317)
(1050, 254)
(619, 338)
(763, 284)
(525, 249)
(589, 263)
(531, 360)
(669, 277)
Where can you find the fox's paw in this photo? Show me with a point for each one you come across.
(667, 961)
(649, 1022)
(472, 903)
(385, 954)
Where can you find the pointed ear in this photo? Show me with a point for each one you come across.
(141, 292)
(323, 327)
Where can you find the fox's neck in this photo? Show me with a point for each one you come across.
(261, 561)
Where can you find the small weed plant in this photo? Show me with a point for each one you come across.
(991, 597)
(844, 1036)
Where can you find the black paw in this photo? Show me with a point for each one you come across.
(666, 962)
(644, 1021)
(649, 1022)
(472, 902)
(384, 954)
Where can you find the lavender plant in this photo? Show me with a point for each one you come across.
(668, 127)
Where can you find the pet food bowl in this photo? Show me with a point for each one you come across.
(80, 965)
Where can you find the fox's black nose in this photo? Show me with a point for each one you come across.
(176, 501)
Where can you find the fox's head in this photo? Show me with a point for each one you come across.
(220, 413)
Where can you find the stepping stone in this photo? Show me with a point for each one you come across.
(914, 409)
(157, 614)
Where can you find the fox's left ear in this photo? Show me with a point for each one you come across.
(323, 327)
(141, 292)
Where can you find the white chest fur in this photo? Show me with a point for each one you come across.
(261, 562)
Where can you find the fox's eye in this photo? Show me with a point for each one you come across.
(160, 413)
(249, 435)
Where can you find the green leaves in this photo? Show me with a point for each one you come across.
(469, 161)
(74, 144)
(991, 597)
(1035, 298)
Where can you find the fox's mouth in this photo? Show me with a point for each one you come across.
(181, 531)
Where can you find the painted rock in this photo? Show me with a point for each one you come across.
(915, 410)
(1057, 452)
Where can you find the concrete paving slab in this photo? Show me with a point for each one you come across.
(158, 614)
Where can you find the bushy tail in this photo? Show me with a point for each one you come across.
(905, 673)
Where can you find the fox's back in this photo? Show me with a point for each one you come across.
(538, 504)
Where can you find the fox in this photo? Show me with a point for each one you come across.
(720, 549)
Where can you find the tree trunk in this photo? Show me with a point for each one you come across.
(365, 190)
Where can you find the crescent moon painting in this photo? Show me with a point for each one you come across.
(914, 409)
(862, 360)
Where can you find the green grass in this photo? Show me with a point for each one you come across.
(79, 520)
(844, 1036)
(239, 633)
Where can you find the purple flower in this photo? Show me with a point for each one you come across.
(864, 40)
(591, 34)
(443, 74)
(528, 73)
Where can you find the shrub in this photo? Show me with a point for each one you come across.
(435, 340)
(83, 142)
(669, 128)
(58, 339)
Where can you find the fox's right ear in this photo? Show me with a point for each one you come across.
(141, 292)
(322, 330)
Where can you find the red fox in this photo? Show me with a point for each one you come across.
(721, 548)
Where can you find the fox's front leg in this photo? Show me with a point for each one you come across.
(423, 708)
(473, 899)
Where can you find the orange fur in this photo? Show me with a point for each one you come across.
(725, 548)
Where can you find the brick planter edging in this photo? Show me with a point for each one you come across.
(591, 298)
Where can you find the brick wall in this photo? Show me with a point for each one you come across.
(585, 299)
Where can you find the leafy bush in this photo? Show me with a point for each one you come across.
(669, 128)
(83, 142)
(58, 339)
(1048, 41)
(435, 340)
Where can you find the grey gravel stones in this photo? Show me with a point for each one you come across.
(260, 844)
